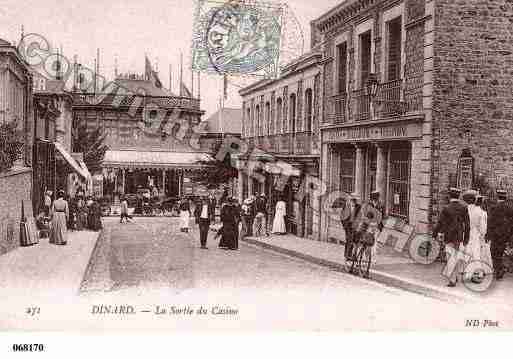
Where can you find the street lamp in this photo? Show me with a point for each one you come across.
(371, 86)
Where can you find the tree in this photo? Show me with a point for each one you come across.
(11, 145)
(218, 171)
(92, 145)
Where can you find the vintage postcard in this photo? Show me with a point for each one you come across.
(329, 165)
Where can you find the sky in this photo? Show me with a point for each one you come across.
(128, 30)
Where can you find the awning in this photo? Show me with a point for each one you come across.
(85, 169)
(68, 158)
(154, 159)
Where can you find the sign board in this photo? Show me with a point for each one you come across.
(388, 131)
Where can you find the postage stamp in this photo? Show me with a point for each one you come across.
(237, 38)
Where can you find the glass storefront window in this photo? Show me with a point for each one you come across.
(399, 183)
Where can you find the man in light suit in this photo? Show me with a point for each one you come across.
(454, 224)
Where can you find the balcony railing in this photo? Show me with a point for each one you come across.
(362, 104)
(301, 143)
(388, 99)
(337, 109)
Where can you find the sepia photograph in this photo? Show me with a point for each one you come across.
(332, 166)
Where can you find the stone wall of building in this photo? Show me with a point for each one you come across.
(473, 101)
(15, 187)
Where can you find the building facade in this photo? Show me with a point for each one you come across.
(414, 102)
(16, 182)
(281, 120)
(149, 133)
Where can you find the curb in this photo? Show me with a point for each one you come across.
(376, 276)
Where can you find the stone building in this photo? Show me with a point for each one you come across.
(55, 167)
(149, 134)
(416, 98)
(281, 120)
(16, 182)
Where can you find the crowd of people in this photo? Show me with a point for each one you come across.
(474, 236)
(237, 220)
(61, 214)
(468, 227)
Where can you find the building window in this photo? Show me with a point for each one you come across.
(342, 68)
(365, 57)
(292, 112)
(279, 109)
(394, 30)
(399, 181)
(308, 109)
(248, 122)
(347, 169)
(268, 119)
(257, 120)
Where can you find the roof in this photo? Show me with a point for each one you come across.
(4, 43)
(153, 159)
(135, 86)
(225, 120)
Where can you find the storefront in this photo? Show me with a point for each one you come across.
(170, 174)
(302, 217)
(386, 157)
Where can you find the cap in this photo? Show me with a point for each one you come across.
(455, 190)
(470, 192)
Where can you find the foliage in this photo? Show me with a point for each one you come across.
(92, 145)
(219, 171)
(11, 145)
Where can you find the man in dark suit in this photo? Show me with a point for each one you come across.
(212, 208)
(499, 232)
(454, 224)
(202, 215)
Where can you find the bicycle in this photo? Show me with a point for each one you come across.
(360, 259)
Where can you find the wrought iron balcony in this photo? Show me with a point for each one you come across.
(362, 105)
(388, 101)
(337, 109)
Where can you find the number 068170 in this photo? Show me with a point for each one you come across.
(28, 347)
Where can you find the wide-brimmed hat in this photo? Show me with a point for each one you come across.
(502, 194)
(454, 191)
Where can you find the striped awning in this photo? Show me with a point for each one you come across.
(71, 161)
(154, 159)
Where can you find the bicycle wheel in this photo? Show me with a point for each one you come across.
(364, 261)
(352, 260)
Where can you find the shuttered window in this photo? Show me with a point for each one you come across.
(365, 57)
(394, 49)
(342, 67)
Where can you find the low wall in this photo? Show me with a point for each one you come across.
(15, 187)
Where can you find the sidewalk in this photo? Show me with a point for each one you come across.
(46, 270)
(389, 267)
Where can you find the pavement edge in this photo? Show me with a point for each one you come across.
(376, 276)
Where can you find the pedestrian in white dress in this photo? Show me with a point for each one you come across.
(486, 255)
(477, 234)
(185, 215)
(279, 218)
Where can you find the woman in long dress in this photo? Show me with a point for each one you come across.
(96, 215)
(230, 216)
(476, 237)
(185, 216)
(486, 255)
(81, 214)
(279, 218)
(59, 214)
